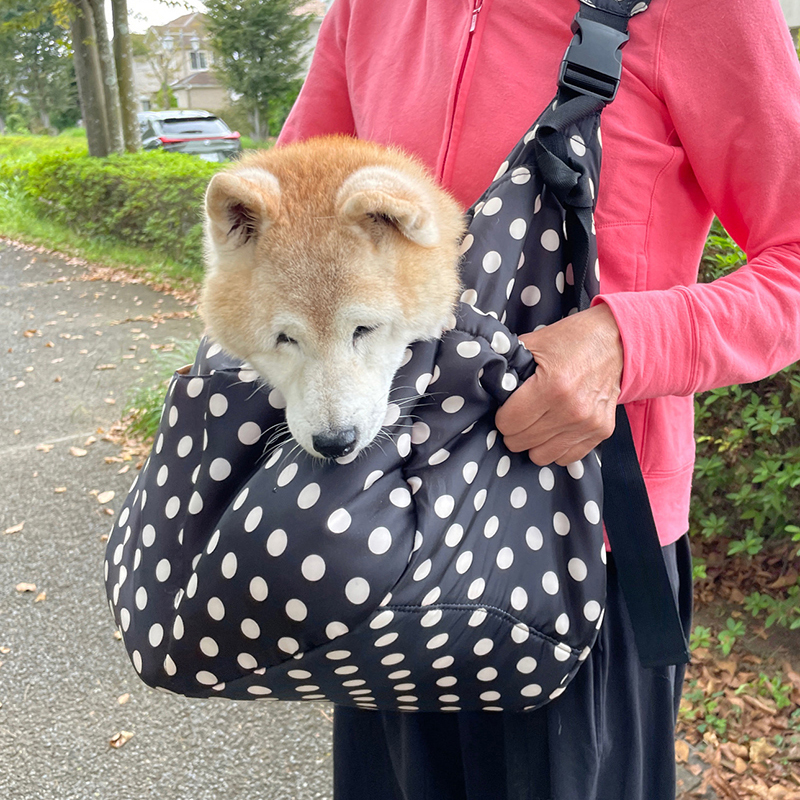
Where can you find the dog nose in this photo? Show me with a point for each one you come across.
(336, 444)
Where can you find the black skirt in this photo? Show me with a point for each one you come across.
(610, 736)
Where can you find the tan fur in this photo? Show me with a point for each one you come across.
(293, 242)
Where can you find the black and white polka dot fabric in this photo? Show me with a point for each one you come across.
(438, 571)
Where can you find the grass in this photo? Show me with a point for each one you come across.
(143, 413)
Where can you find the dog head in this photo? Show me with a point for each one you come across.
(325, 260)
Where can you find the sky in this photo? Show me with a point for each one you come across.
(144, 13)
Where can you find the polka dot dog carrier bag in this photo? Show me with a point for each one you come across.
(439, 572)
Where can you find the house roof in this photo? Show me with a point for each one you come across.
(204, 79)
(185, 21)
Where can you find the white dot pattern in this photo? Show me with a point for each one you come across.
(437, 571)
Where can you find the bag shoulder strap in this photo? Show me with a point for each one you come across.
(588, 80)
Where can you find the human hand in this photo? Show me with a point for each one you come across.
(568, 406)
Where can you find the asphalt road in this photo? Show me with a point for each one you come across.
(69, 347)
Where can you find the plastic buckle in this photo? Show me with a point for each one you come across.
(592, 64)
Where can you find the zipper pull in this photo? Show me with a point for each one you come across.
(478, 5)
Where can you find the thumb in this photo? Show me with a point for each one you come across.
(522, 409)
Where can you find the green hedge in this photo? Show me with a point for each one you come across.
(150, 200)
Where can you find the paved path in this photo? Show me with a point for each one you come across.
(61, 669)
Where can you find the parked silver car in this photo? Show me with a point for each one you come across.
(198, 133)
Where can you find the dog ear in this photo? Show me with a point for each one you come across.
(374, 199)
(240, 205)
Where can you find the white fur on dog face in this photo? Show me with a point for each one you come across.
(336, 384)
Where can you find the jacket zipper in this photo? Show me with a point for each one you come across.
(477, 5)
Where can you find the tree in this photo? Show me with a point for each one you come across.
(36, 69)
(261, 48)
(90, 79)
(123, 58)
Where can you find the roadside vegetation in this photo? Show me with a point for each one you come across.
(741, 710)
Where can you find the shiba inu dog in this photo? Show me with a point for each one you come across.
(325, 260)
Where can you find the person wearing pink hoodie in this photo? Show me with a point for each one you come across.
(706, 121)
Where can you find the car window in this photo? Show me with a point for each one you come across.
(210, 126)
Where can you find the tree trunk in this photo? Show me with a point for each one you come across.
(109, 75)
(256, 124)
(123, 56)
(266, 119)
(90, 83)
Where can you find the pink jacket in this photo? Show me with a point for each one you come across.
(707, 120)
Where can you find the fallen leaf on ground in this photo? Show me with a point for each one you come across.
(123, 698)
(120, 739)
(77, 452)
(110, 400)
(740, 766)
(60, 489)
(106, 366)
(681, 751)
(31, 332)
(90, 440)
(19, 384)
(117, 635)
(5, 650)
(105, 497)
(26, 587)
(761, 750)
(15, 528)
(40, 597)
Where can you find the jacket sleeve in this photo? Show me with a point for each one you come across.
(323, 106)
(729, 76)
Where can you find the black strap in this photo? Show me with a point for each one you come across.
(646, 587)
(649, 597)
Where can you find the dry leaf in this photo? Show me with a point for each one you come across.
(106, 366)
(120, 739)
(109, 511)
(123, 470)
(118, 635)
(19, 384)
(15, 528)
(26, 587)
(105, 497)
(31, 332)
(740, 766)
(77, 452)
(90, 440)
(110, 400)
(60, 489)
(681, 751)
(761, 750)
(40, 597)
(123, 698)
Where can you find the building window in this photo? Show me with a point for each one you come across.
(198, 60)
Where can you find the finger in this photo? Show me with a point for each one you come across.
(561, 449)
(524, 408)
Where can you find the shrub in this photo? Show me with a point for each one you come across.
(149, 200)
(747, 478)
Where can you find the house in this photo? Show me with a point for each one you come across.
(180, 58)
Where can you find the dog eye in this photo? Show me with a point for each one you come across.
(282, 338)
(363, 330)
